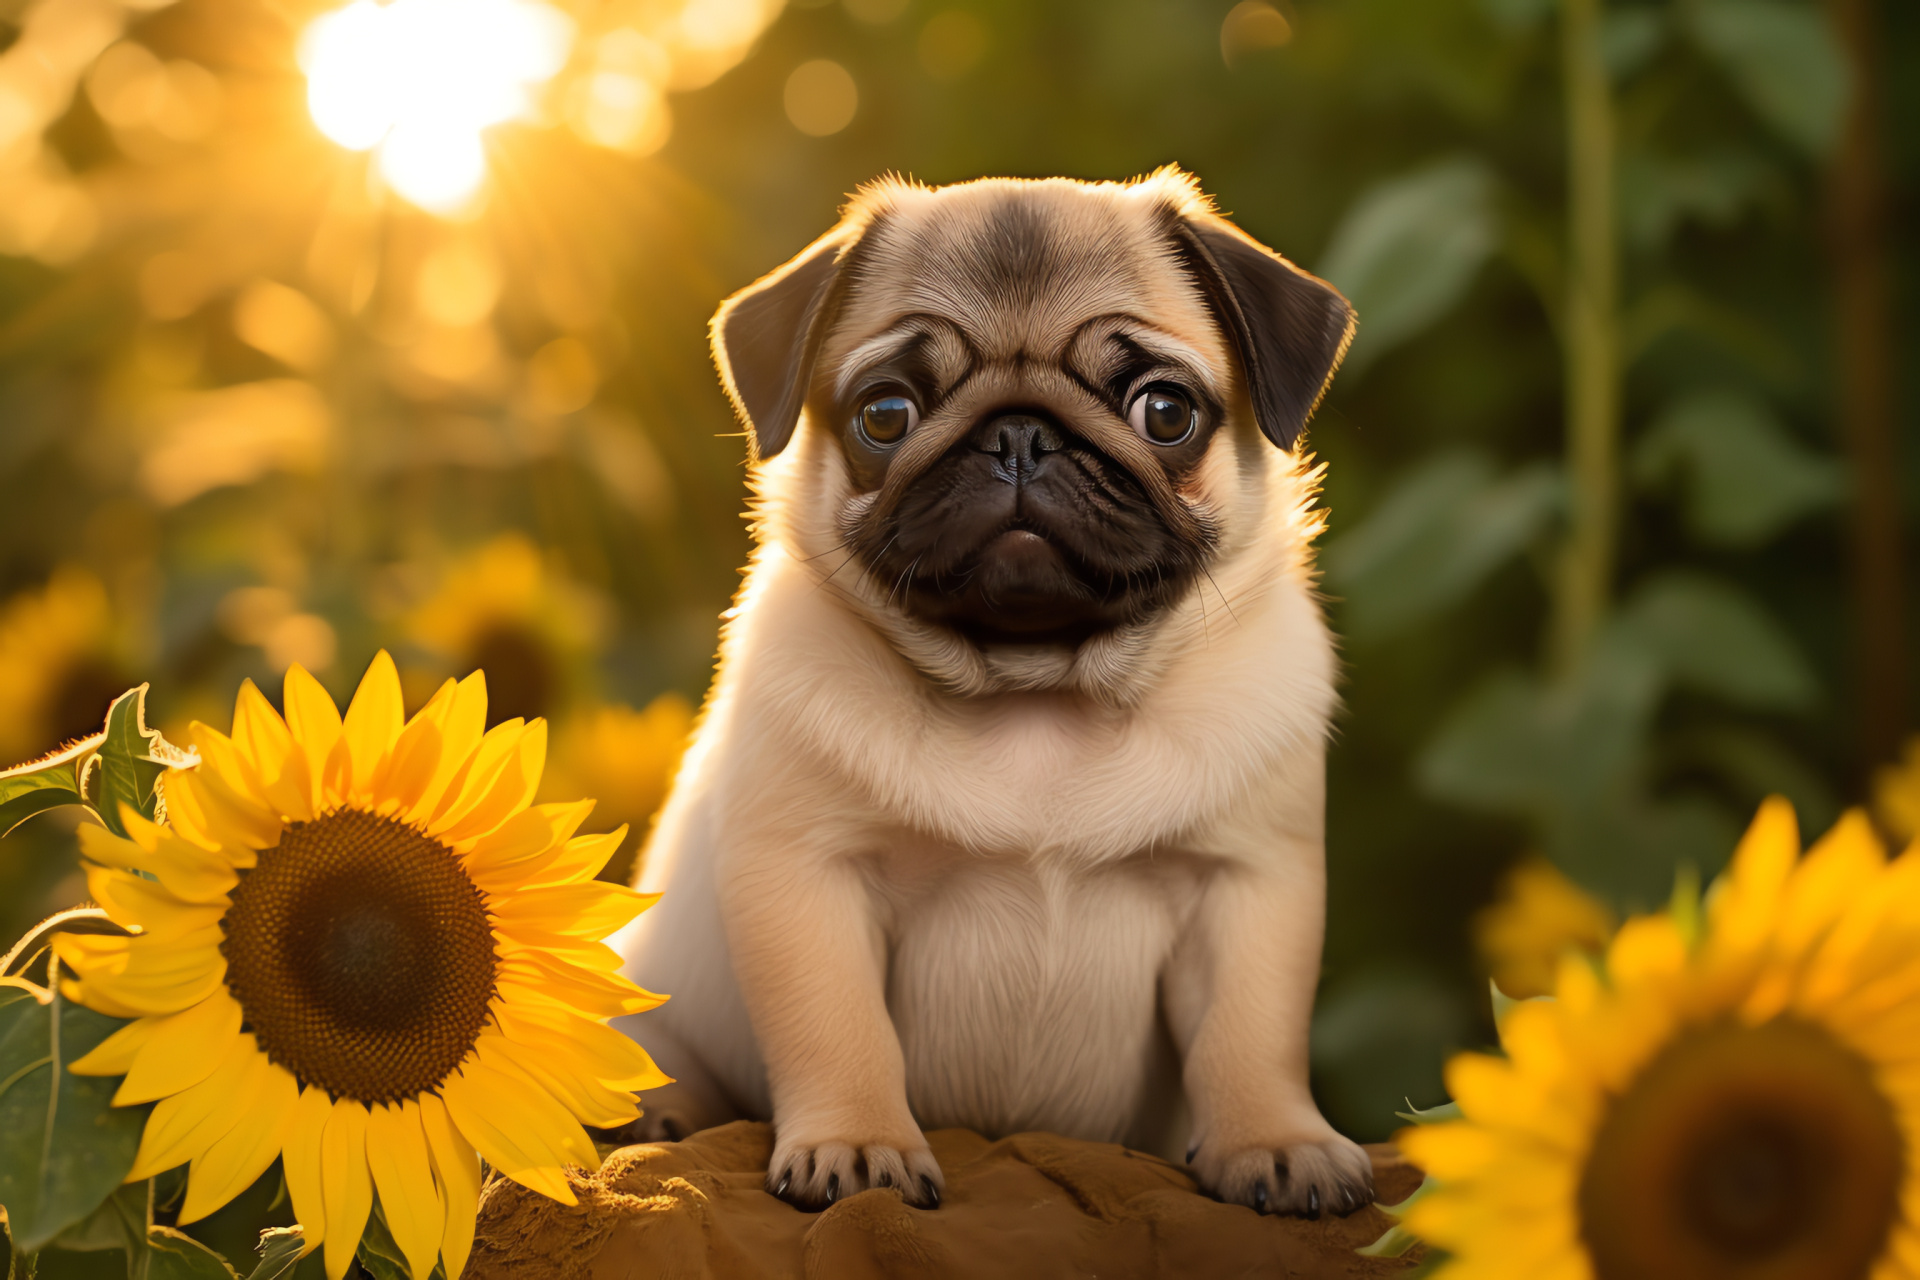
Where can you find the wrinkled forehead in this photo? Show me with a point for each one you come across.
(1021, 267)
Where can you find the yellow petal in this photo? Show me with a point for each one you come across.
(279, 764)
(581, 1093)
(182, 1050)
(516, 1125)
(315, 724)
(477, 778)
(230, 786)
(541, 979)
(615, 1059)
(510, 792)
(372, 724)
(115, 1055)
(409, 768)
(590, 910)
(134, 902)
(1828, 880)
(189, 872)
(301, 1164)
(457, 1165)
(144, 976)
(186, 1124)
(1647, 949)
(462, 718)
(345, 1186)
(521, 847)
(232, 1163)
(1746, 897)
(199, 817)
(583, 858)
(403, 1175)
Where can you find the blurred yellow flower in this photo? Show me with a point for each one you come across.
(57, 673)
(1539, 917)
(503, 610)
(363, 951)
(1743, 1104)
(1896, 794)
(625, 755)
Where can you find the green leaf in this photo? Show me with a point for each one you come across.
(1520, 745)
(46, 783)
(1398, 1240)
(1441, 1114)
(1659, 193)
(1380, 1034)
(1784, 59)
(1435, 537)
(120, 764)
(1628, 847)
(1748, 477)
(64, 1146)
(128, 763)
(279, 1253)
(1756, 764)
(1629, 37)
(119, 1223)
(380, 1255)
(1408, 250)
(1710, 637)
(175, 1255)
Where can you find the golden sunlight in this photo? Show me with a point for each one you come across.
(420, 80)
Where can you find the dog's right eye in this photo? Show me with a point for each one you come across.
(887, 419)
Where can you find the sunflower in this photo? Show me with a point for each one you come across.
(1896, 794)
(1539, 916)
(362, 950)
(627, 755)
(1740, 1103)
(57, 673)
(503, 610)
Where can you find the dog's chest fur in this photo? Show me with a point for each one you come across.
(1024, 989)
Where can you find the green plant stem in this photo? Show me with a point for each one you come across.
(1864, 363)
(1585, 571)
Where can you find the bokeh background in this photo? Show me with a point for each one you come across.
(329, 329)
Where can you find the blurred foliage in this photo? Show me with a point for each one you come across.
(257, 408)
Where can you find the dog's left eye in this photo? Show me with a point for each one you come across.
(887, 419)
(1163, 415)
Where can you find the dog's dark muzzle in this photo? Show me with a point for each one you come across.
(1025, 532)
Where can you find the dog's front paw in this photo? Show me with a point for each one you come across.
(813, 1175)
(1307, 1177)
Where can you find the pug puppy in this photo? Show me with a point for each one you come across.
(1006, 807)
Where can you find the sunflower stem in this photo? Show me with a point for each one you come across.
(1585, 571)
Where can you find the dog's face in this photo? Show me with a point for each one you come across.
(1026, 384)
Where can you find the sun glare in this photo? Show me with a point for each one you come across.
(422, 79)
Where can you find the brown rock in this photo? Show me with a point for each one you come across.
(1030, 1205)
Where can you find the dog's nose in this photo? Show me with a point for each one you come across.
(1018, 441)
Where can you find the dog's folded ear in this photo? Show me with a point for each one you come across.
(1289, 328)
(766, 336)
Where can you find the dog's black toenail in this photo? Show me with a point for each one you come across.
(1313, 1203)
(833, 1187)
(781, 1190)
(1260, 1198)
(931, 1192)
(1192, 1151)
